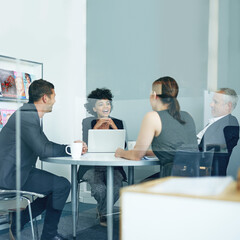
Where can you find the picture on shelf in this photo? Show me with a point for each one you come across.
(27, 79)
(5, 115)
(8, 83)
(18, 77)
(1, 123)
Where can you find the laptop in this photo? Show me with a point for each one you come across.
(105, 140)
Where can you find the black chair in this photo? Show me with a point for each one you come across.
(192, 163)
(220, 159)
(12, 196)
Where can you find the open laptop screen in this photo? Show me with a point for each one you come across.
(105, 140)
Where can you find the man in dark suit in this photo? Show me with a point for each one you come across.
(222, 131)
(34, 144)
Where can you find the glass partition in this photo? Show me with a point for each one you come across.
(129, 44)
(16, 75)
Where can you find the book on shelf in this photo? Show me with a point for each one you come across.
(0, 90)
(15, 84)
(27, 80)
(20, 88)
(8, 83)
(5, 115)
(1, 123)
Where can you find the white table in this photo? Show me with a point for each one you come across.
(99, 159)
(178, 216)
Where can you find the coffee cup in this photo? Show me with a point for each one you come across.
(76, 150)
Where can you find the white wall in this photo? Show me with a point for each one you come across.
(52, 32)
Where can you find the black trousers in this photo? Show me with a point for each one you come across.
(56, 190)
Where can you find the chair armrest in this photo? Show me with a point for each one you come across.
(13, 193)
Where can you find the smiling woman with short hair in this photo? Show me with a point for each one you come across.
(99, 104)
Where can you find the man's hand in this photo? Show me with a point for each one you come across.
(84, 146)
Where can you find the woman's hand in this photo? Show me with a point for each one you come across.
(102, 123)
(105, 123)
(130, 155)
(112, 124)
(119, 152)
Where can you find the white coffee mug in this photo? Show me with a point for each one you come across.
(76, 150)
(131, 144)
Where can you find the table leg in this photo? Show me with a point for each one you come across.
(110, 202)
(74, 197)
(130, 175)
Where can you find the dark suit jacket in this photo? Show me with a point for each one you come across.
(34, 144)
(89, 123)
(223, 132)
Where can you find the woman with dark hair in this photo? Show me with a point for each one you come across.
(99, 104)
(166, 128)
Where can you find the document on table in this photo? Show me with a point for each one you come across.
(202, 186)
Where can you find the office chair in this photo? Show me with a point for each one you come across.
(11, 196)
(220, 159)
(192, 163)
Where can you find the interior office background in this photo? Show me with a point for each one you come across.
(123, 45)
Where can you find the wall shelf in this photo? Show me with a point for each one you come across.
(16, 76)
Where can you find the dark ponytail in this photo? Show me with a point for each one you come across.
(174, 110)
(169, 96)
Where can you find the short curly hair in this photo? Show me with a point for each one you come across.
(97, 94)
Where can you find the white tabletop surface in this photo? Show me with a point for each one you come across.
(101, 159)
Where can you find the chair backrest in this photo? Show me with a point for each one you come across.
(206, 163)
(221, 159)
(192, 163)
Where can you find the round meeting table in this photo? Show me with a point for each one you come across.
(100, 159)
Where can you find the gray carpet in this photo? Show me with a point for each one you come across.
(88, 227)
(97, 232)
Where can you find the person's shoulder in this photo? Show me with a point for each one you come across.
(185, 114)
(152, 116)
(116, 119)
(227, 120)
(27, 110)
(118, 122)
(30, 107)
(232, 120)
(232, 117)
(88, 119)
